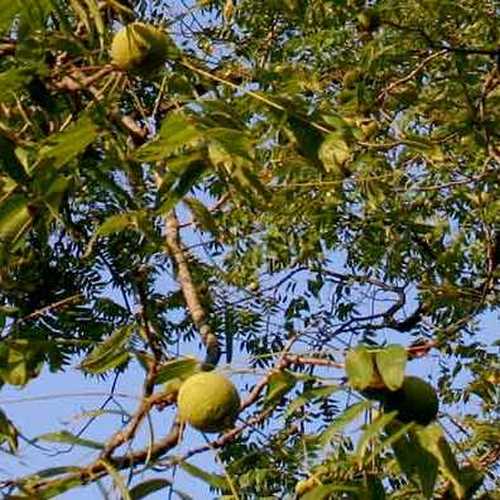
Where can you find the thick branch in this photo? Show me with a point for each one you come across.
(189, 290)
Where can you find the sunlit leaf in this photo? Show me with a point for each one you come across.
(144, 489)
(391, 364)
(68, 438)
(311, 395)
(58, 486)
(214, 480)
(280, 383)
(7, 14)
(324, 491)
(16, 218)
(178, 368)
(8, 433)
(62, 147)
(433, 441)
(371, 431)
(339, 422)
(234, 142)
(334, 153)
(359, 367)
(110, 353)
(177, 131)
(12, 81)
(118, 480)
(419, 466)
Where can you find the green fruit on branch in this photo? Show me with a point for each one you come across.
(416, 401)
(140, 47)
(209, 402)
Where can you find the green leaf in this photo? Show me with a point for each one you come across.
(374, 488)
(62, 147)
(20, 361)
(58, 487)
(419, 466)
(391, 365)
(334, 153)
(248, 183)
(432, 440)
(373, 190)
(324, 491)
(110, 353)
(114, 224)
(310, 395)
(177, 368)
(234, 142)
(377, 449)
(176, 133)
(371, 431)
(11, 82)
(95, 15)
(202, 215)
(68, 438)
(34, 14)
(54, 193)
(340, 421)
(306, 136)
(186, 179)
(15, 218)
(8, 11)
(55, 471)
(280, 383)
(214, 480)
(9, 163)
(145, 488)
(8, 433)
(359, 367)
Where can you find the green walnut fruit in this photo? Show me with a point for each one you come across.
(416, 401)
(140, 47)
(209, 402)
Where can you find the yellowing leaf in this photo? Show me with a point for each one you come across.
(359, 367)
(391, 364)
(334, 153)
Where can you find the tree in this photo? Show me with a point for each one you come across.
(315, 177)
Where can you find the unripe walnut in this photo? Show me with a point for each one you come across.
(209, 402)
(416, 401)
(140, 47)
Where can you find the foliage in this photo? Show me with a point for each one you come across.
(306, 176)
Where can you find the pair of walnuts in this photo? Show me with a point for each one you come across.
(210, 402)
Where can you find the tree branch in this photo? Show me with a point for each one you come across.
(189, 290)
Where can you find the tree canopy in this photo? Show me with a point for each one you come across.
(305, 194)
